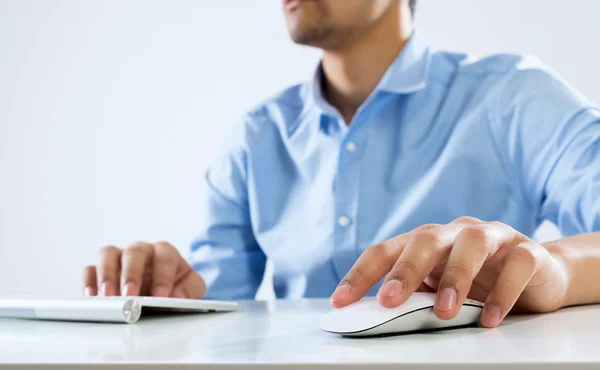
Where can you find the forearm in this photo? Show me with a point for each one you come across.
(580, 255)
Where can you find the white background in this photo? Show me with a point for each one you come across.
(110, 110)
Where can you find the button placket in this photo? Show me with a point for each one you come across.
(346, 203)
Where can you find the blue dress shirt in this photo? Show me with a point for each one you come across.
(442, 136)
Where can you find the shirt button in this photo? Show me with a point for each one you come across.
(344, 221)
(351, 147)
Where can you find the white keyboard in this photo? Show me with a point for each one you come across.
(102, 309)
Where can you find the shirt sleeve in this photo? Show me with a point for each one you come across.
(226, 253)
(551, 140)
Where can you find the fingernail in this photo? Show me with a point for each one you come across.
(341, 292)
(491, 315)
(87, 291)
(160, 291)
(391, 289)
(105, 289)
(446, 300)
(128, 289)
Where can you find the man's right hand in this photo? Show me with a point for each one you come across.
(143, 269)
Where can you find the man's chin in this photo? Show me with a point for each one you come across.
(310, 35)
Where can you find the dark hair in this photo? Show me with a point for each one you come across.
(412, 5)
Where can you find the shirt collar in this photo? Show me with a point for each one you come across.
(407, 74)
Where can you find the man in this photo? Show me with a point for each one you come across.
(396, 169)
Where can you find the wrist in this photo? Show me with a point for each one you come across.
(579, 258)
(564, 268)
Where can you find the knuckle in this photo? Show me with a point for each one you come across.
(476, 240)
(426, 227)
(109, 249)
(137, 248)
(467, 220)
(377, 251)
(404, 269)
(458, 272)
(167, 251)
(526, 254)
(138, 244)
(499, 225)
(427, 239)
(475, 234)
(164, 245)
(514, 234)
(506, 284)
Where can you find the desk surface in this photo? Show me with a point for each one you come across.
(287, 333)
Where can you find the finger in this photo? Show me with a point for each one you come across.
(425, 250)
(164, 269)
(371, 267)
(519, 266)
(190, 284)
(135, 261)
(90, 281)
(368, 270)
(108, 270)
(473, 245)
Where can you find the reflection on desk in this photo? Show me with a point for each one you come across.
(287, 332)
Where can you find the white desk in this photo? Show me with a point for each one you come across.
(286, 333)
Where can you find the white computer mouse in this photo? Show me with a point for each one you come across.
(367, 317)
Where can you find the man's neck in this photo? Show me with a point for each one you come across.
(352, 73)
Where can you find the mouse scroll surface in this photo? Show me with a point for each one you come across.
(367, 317)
